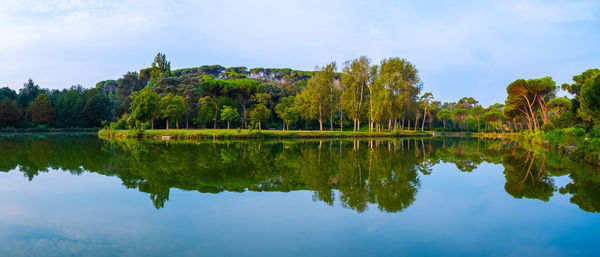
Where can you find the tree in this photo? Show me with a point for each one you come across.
(7, 93)
(244, 90)
(287, 111)
(466, 103)
(493, 116)
(529, 97)
(69, 108)
(544, 90)
(424, 102)
(41, 110)
(444, 115)
(29, 92)
(95, 107)
(260, 112)
(11, 112)
(315, 99)
(590, 100)
(129, 83)
(172, 107)
(229, 113)
(213, 88)
(401, 79)
(575, 88)
(476, 111)
(188, 88)
(460, 115)
(159, 67)
(355, 78)
(559, 105)
(206, 106)
(144, 106)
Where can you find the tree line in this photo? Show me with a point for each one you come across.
(361, 95)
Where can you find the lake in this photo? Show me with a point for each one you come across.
(77, 195)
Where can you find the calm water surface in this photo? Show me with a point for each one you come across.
(82, 196)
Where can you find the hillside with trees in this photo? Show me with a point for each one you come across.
(358, 95)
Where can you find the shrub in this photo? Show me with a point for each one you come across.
(548, 127)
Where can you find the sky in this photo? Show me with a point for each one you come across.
(461, 48)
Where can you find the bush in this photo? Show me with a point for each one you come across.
(548, 127)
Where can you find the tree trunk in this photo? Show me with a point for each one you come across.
(177, 124)
(259, 127)
(167, 123)
(227, 124)
(216, 111)
(424, 118)
(320, 124)
(152, 122)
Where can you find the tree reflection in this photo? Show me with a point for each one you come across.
(357, 174)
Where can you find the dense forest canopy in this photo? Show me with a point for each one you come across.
(359, 95)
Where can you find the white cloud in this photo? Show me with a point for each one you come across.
(460, 45)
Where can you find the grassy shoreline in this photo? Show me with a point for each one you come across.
(47, 130)
(250, 134)
(572, 143)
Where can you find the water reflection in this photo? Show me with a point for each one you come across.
(384, 172)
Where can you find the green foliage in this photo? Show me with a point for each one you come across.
(95, 108)
(206, 107)
(41, 110)
(69, 109)
(548, 126)
(259, 113)
(229, 113)
(590, 100)
(287, 110)
(160, 67)
(172, 107)
(11, 112)
(144, 105)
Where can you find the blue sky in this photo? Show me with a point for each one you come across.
(468, 48)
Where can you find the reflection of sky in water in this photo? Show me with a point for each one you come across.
(463, 213)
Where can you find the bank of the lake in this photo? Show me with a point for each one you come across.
(46, 130)
(251, 134)
(572, 143)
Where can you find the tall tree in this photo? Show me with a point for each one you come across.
(590, 100)
(559, 105)
(229, 113)
(213, 88)
(206, 107)
(444, 115)
(129, 83)
(477, 111)
(144, 106)
(580, 79)
(7, 93)
(401, 79)
(29, 92)
(95, 108)
(160, 66)
(287, 111)
(355, 78)
(41, 110)
(425, 102)
(243, 91)
(69, 108)
(172, 107)
(11, 112)
(259, 111)
(316, 98)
